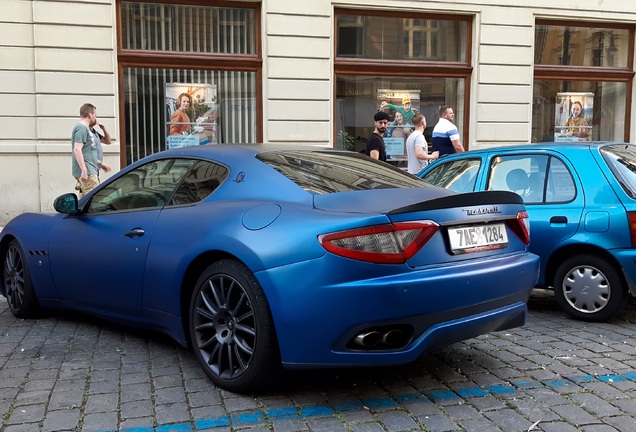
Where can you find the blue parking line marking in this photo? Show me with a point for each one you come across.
(283, 412)
(380, 403)
(174, 428)
(612, 378)
(441, 395)
(258, 417)
(316, 411)
(528, 384)
(472, 392)
(581, 378)
(212, 422)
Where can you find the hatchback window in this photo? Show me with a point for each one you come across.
(621, 159)
(537, 178)
(458, 175)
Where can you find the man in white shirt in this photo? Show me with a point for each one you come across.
(417, 147)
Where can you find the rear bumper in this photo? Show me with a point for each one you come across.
(319, 306)
(627, 260)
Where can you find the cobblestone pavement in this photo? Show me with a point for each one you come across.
(72, 373)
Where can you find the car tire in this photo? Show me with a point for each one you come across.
(18, 285)
(589, 288)
(231, 328)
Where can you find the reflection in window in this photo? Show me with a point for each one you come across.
(148, 186)
(622, 161)
(458, 176)
(421, 38)
(608, 114)
(581, 46)
(201, 181)
(145, 106)
(202, 29)
(325, 172)
(351, 36)
(359, 97)
(393, 38)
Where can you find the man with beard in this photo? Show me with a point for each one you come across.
(85, 166)
(375, 144)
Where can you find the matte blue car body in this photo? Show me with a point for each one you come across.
(597, 216)
(317, 299)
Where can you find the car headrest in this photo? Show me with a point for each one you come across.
(517, 179)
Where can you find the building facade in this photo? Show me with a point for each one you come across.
(301, 72)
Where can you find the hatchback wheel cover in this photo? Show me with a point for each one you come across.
(586, 289)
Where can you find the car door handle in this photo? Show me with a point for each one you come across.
(137, 232)
(558, 219)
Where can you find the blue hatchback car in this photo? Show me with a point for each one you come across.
(581, 199)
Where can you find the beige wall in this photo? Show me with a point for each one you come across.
(54, 56)
(57, 54)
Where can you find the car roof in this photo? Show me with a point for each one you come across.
(543, 146)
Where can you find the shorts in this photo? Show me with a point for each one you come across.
(85, 187)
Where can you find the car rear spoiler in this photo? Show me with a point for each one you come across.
(464, 199)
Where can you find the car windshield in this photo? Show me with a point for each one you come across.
(323, 172)
(621, 159)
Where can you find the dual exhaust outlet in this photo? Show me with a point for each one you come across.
(378, 339)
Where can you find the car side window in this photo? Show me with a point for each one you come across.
(458, 175)
(560, 186)
(147, 186)
(522, 174)
(536, 178)
(201, 181)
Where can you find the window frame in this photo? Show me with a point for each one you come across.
(592, 73)
(408, 68)
(134, 58)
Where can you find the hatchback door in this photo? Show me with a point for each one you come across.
(550, 189)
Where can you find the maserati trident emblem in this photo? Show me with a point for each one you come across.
(482, 211)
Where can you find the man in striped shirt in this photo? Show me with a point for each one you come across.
(445, 134)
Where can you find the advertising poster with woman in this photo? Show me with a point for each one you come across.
(401, 105)
(191, 113)
(573, 116)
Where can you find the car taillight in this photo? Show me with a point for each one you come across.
(521, 226)
(382, 244)
(631, 217)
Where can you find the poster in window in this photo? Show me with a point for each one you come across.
(401, 106)
(192, 113)
(573, 116)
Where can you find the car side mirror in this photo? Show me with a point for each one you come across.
(66, 203)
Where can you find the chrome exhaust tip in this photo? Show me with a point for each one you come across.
(393, 337)
(368, 339)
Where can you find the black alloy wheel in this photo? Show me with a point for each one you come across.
(231, 328)
(17, 283)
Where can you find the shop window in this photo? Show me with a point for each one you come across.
(388, 60)
(396, 38)
(207, 52)
(583, 76)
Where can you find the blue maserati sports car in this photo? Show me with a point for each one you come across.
(261, 258)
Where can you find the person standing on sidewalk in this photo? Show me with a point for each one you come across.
(445, 134)
(375, 144)
(99, 140)
(417, 147)
(84, 156)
